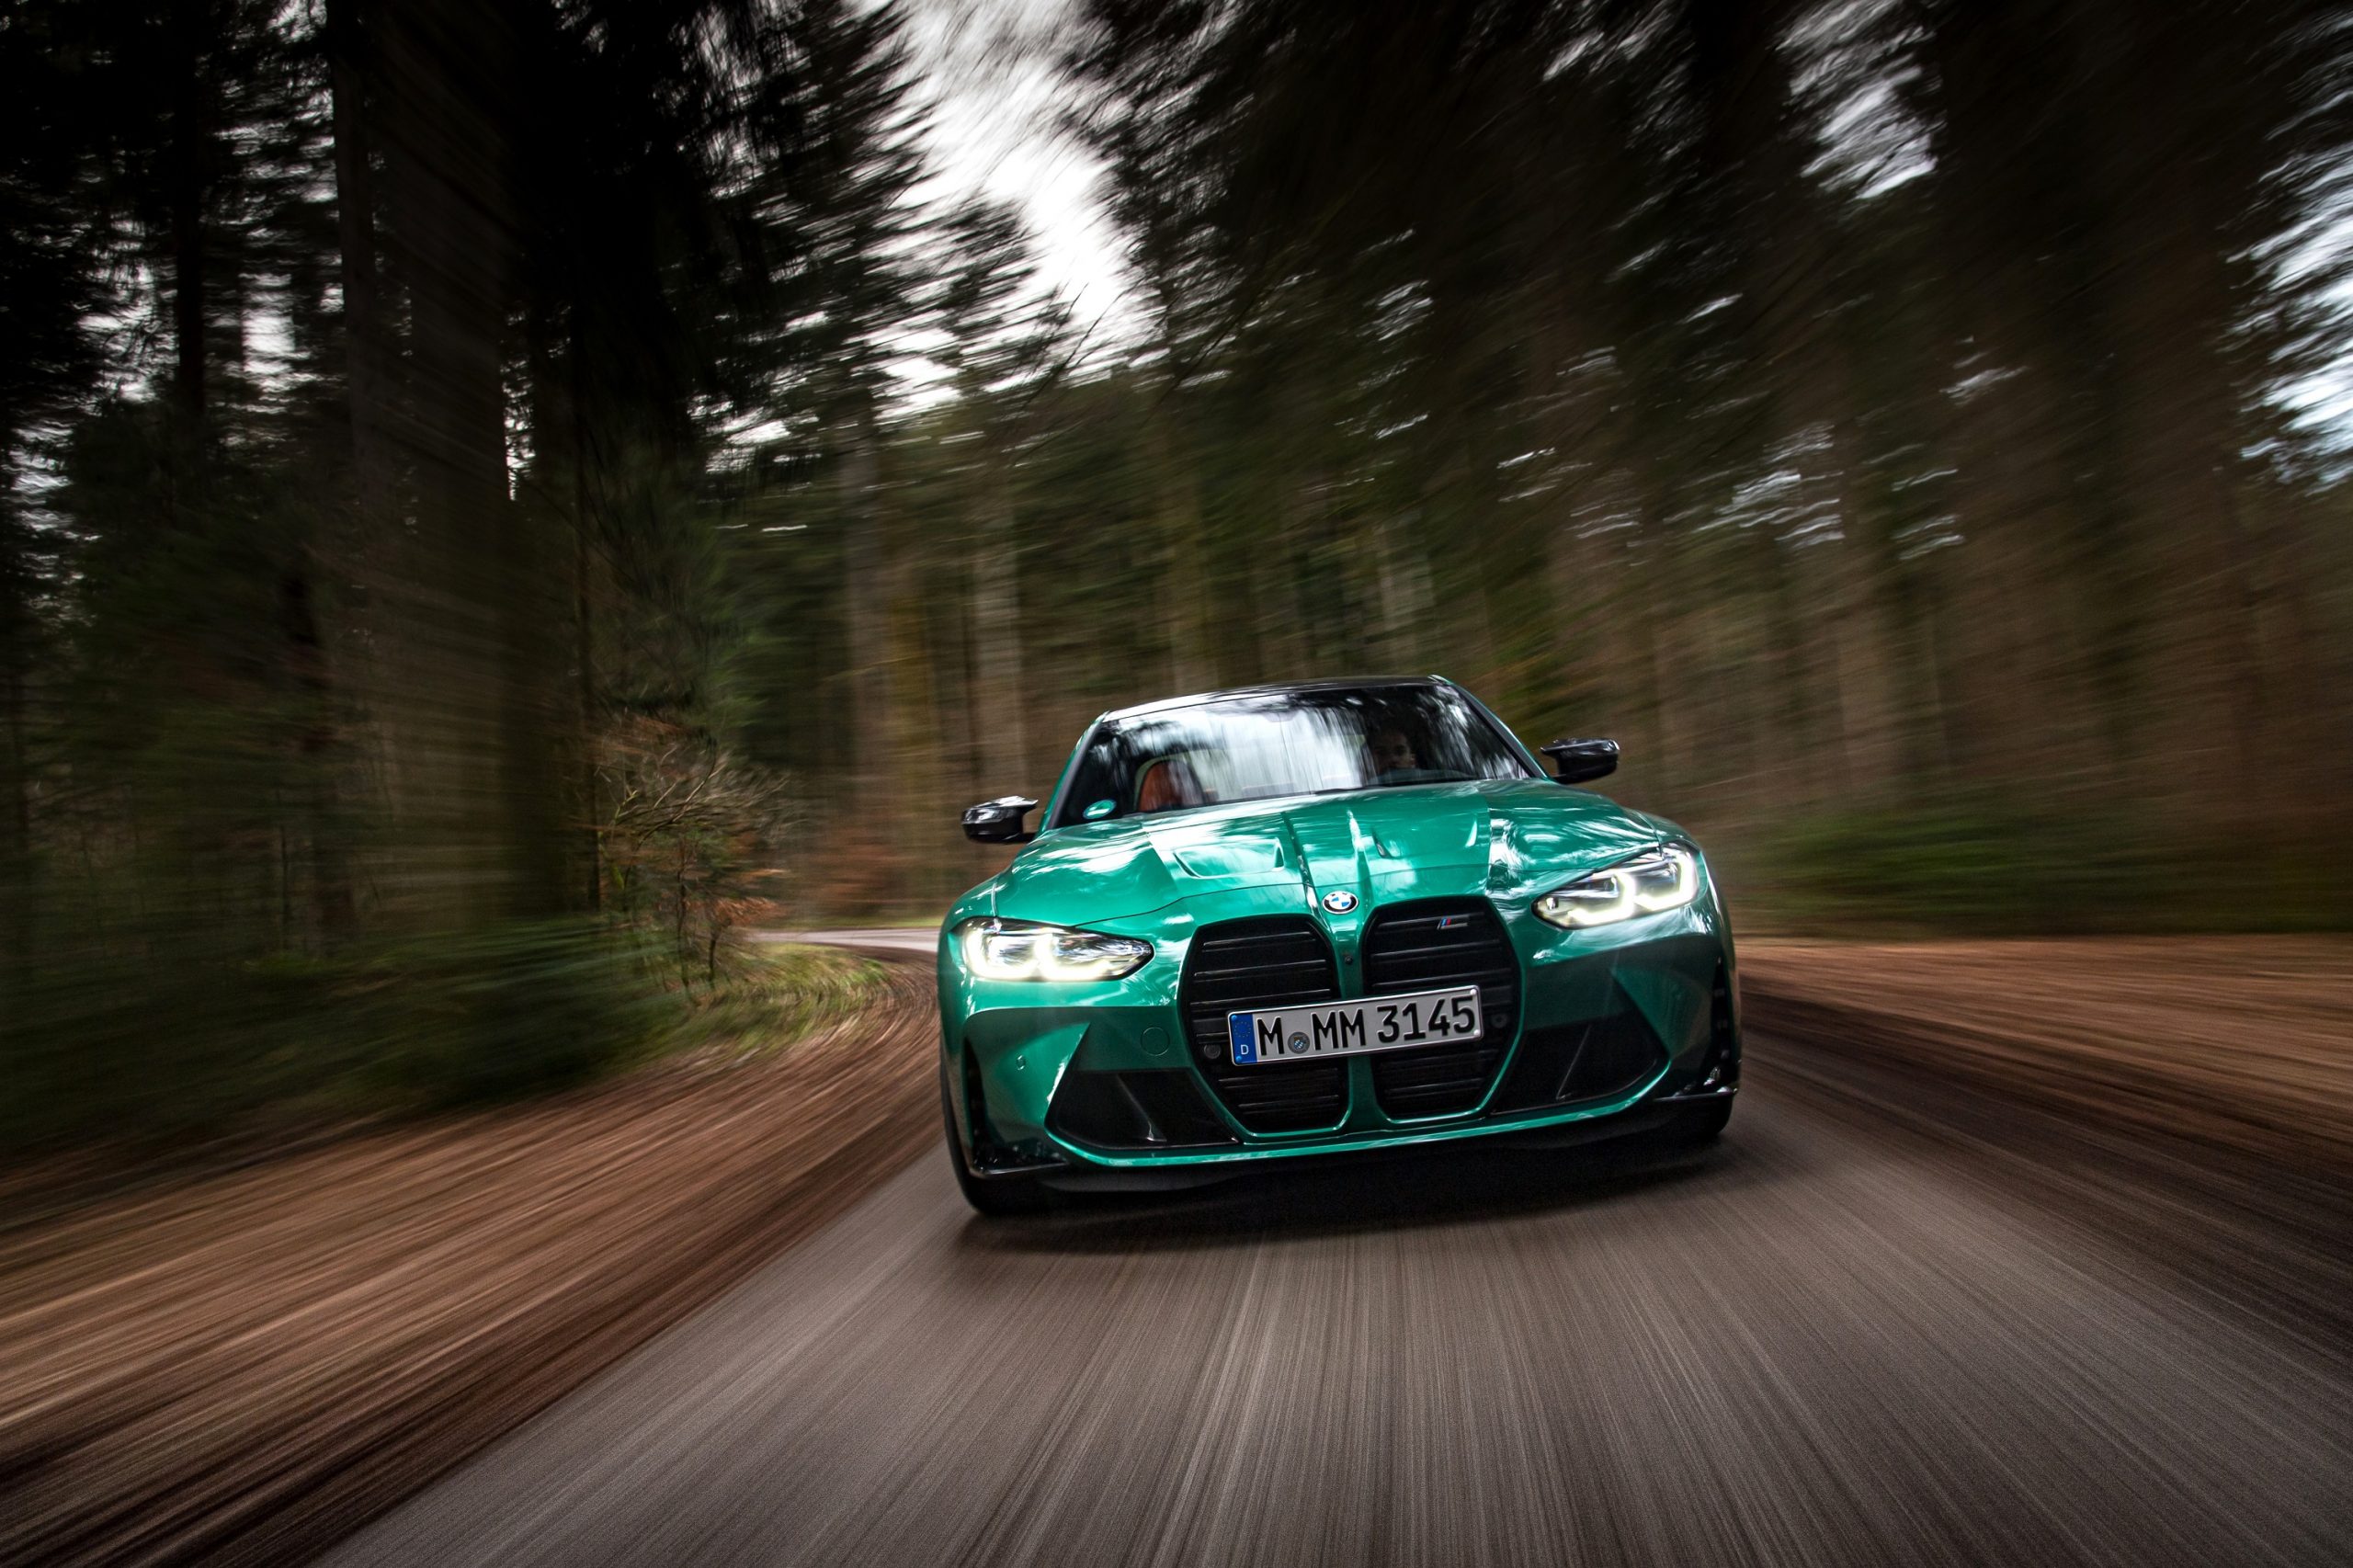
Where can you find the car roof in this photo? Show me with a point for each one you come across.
(1334, 683)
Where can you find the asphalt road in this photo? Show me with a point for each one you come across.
(1881, 1323)
(872, 939)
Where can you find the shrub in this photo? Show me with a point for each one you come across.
(1981, 864)
(503, 1011)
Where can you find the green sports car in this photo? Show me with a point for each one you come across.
(1312, 920)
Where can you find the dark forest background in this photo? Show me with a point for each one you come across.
(468, 541)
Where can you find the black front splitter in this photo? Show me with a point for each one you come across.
(1648, 1117)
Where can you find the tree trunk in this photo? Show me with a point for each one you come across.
(560, 500)
(190, 180)
(865, 626)
(480, 790)
(997, 634)
(583, 627)
(16, 627)
(356, 552)
(1180, 525)
(367, 391)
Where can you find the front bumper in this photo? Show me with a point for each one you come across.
(1017, 1061)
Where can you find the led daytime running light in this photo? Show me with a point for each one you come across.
(1650, 883)
(1023, 950)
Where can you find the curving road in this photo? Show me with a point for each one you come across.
(1882, 1323)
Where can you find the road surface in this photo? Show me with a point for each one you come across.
(1881, 1323)
(893, 940)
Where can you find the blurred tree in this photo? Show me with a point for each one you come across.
(436, 434)
(842, 197)
(1864, 389)
(51, 280)
(323, 624)
(1004, 345)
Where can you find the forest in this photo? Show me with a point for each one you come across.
(471, 542)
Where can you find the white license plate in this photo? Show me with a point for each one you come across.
(1343, 1029)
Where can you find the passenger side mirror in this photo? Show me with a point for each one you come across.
(1574, 762)
(999, 821)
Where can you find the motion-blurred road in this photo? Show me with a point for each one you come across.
(1881, 1323)
(872, 939)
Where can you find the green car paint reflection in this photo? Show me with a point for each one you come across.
(1310, 845)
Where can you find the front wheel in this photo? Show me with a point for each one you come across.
(993, 1196)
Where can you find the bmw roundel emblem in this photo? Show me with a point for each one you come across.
(1340, 902)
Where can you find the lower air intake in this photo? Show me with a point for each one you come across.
(1597, 1059)
(1151, 1110)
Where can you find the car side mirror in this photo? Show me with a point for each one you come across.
(999, 821)
(1574, 762)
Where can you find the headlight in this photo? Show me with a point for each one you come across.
(1023, 950)
(1657, 880)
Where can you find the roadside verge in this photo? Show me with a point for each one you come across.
(247, 1368)
(2241, 1043)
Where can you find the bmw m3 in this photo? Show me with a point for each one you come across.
(1313, 920)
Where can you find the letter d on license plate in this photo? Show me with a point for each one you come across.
(1343, 1028)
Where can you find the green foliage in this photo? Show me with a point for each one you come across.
(167, 1039)
(368, 382)
(780, 993)
(1989, 863)
(125, 1041)
(1984, 863)
(158, 1037)
(513, 1010)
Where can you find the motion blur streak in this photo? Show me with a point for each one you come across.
(1910, 1329)
(487, 483)
(501, 499)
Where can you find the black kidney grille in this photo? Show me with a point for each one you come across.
(1240, 965)
(1424, 947)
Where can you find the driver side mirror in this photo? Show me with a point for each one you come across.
(1574, 762)
(999, 821)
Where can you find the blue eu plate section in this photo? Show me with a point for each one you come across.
(1246, 1047)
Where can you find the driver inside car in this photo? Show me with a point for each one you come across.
(1387, 752)
(1168, 784)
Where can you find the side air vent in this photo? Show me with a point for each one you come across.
(1596, 1059)
(1423, 946)
(1271, 961)
(1151, 1110)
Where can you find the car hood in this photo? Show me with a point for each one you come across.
(1503, 838)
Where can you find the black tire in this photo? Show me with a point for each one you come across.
(1703, 1124)
(993, 1196)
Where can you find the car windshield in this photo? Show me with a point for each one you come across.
(1291, 743)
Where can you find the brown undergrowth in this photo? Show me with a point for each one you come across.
(244, 1368)
(2241, 1042)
